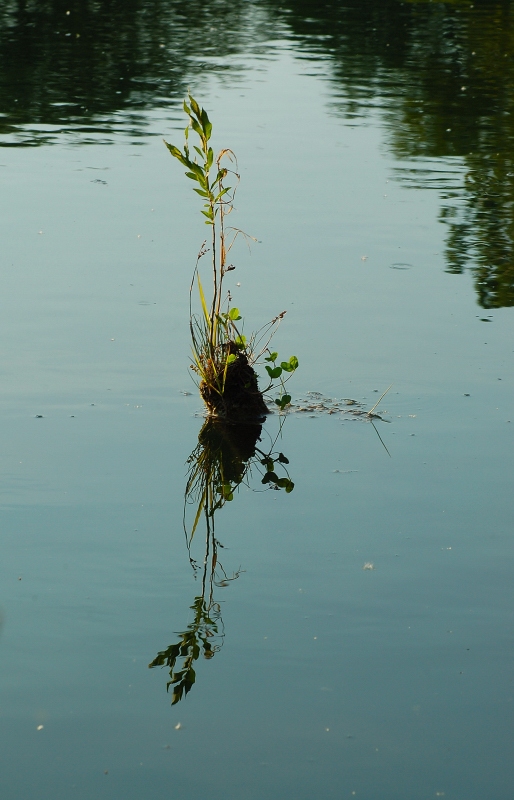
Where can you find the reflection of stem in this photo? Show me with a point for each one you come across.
(385, 448)
(205, 633)
(221, 461)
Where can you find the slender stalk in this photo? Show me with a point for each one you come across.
(214, 270)
(378, 401)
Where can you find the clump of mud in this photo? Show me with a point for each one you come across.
(241, 400)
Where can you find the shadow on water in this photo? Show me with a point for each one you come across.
(225, 457)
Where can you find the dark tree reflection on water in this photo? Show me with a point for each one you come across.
(441, 74)
(226, 457)
(75, 64)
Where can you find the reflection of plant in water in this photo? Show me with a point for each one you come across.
(199, 636)
(224, 458)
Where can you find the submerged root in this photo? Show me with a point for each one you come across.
(241, 399)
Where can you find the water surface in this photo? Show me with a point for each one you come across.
(380, 192)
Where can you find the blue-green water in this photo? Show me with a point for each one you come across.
(389, 246)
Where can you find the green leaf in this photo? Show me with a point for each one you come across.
(283, 459)
(270, 477)
(210, 157)
(195, 126)
(290, 487)
(276, 372)
(231, 358)
(173, 150)
(234, 314)
(186, 108)
(220, 195)
(206, 124)
(195, 107)
(282, 402)
(293, 362)
(176, 153)
(272, 357)
(240, 341)
(286, 366)
(201, 192)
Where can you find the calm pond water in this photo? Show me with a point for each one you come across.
(365, 645)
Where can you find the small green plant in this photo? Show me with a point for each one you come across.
(223, 357)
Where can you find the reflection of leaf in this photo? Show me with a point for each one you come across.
(193, 641)
(198, 514)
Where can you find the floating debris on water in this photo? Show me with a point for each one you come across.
(316, 403)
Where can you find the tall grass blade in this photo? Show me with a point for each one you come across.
(204, 304)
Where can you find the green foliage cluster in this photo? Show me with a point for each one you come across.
(217, 333)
